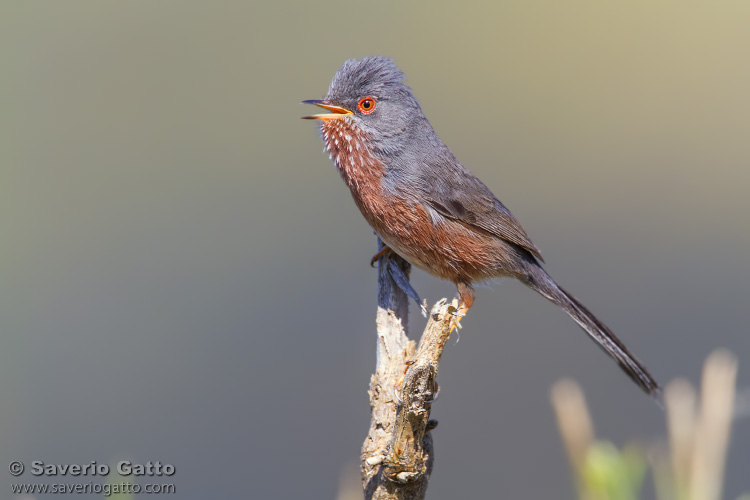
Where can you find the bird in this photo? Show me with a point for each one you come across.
(430, 209)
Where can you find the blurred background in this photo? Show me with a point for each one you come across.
(185, 278)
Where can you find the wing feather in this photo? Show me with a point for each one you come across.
(464, 198)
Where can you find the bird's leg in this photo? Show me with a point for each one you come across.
(385, 250)
(466, 300)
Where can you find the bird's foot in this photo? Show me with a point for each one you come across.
(457, 316)
(435, 393)
(385, 250)
(465, 301)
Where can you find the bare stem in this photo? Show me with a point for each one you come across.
(397, 454)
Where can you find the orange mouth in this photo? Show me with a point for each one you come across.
(336, 112)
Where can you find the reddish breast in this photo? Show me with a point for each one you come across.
(406, 227)
(346, 146)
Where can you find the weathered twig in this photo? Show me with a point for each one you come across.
(397, 454)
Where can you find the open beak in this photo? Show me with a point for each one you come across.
(336, 112)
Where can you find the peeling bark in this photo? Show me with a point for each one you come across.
(397, 455)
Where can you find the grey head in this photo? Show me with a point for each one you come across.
(392, 116)
(397, 131)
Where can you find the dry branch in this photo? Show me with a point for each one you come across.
(397, 454)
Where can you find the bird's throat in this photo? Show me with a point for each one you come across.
(348, 148)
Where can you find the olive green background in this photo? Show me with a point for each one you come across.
(184, 277)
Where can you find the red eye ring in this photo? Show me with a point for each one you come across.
(366, 105)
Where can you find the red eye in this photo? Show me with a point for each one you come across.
(366, 105)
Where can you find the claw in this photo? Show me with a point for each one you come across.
(385, 250)
(436, 393)
(458, 316)
(456, 321)
(398, 396)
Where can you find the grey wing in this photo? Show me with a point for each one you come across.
(460, 196)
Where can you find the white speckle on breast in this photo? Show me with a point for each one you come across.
(360, 171)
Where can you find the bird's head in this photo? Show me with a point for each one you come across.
(370, 95)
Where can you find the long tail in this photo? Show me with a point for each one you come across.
(539, 280)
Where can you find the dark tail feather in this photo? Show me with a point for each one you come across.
(543, 283)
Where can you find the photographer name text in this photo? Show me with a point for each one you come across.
(94, 468)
